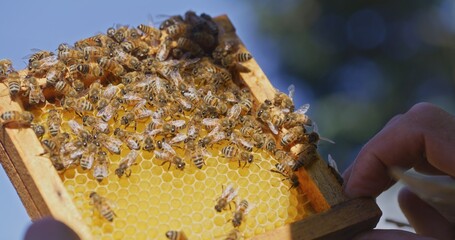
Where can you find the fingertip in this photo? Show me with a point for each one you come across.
(49, 229)
(380, 234)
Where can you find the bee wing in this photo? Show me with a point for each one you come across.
(291, 90)
(272, 127)
(76, 154)
(144, 113)
(316, 130)
(332, 163)
(234, 111)
(178, 123)
(303, 109)
(101, 125)
(214, 131)
(168, 148)
(219, 136)
(132, 144)
(110, 91)
(178, 138)
(75, 126)
(210, 121)
(245, 142)
(131, 157)
(49, 61)
(106, 113)
(232, 195)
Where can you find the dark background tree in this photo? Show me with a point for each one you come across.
(363, 61)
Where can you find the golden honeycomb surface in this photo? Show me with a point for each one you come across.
(155, 199)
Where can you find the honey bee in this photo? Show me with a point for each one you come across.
(164, 49)
(148, 145)
(189, 46)
(232, 59)
(292, 136)
(93, 54)
(172, 20)
(96, 123)
(108, 108)
(92, 69)
(132, 77)
(176, 235)
(20, 119)
(205, 40)
(137, 113)
(6, 66)
(110, 143)
(132, 140)
(111, 66)
(73, 150)
(306, 157)
(54, 121)
(298, 117)
(14, 83)
(94, 92)
(52, 146)
(101, 170)
(149, 30)
(79, 105)
(101, 205)
(39, 130)
(233, 152)
(88, 157)
(80, 131)
(226, 197)
(224, 48)
(34, 91)
(270, 143)
(170, 158)
(234, 234)
(39, 54)
(213, 137)
(241, 142)
(273, 117)
(286, 171)
(55, 74)
(69, 55)
(180, 137)
(177, 30)
(242, 209)
(284, 101)
(126, 163)
(127, 60)
(93, 41)
(65, 89)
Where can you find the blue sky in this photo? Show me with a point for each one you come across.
(25, 25)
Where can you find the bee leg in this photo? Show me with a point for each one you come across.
(128, 173)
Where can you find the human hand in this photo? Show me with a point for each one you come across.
(49, 229)
(424, 139)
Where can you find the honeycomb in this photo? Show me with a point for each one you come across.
(154, 200)
(155, 196)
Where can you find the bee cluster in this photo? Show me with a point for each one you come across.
(171, 91)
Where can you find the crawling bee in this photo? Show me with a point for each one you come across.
(233, 152)
(111, 66)
(286, 171)
(132, 140)
(176, 235)
(96, 123)
(169, 158)
(14, 82)
(39, 130)
(239, 214)
(226, 197)
(284, 101)
(126, 163)
(112, 144)
(34, 91)
(292, 136)
(21, 119)
(54, 121)
(101, 170)
(101, 205)
(88, 157)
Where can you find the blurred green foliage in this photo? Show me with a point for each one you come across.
(365, 61)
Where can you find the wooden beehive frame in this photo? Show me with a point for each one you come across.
(43, 194)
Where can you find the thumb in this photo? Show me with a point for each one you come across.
(390, 235)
